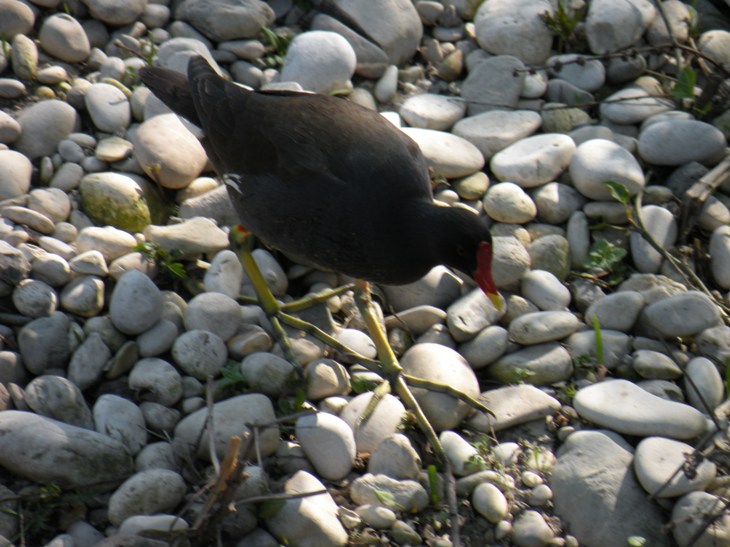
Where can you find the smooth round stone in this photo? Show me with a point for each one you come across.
(472, 187)
(545, 290)
(358, 341)
(512, 406)
(443, 365)
(50, 202)
(146, 492)
(447, 154)
(213, 312)
(541, 364)
(490, 502)
(396, 458)
(656, 461)
(225, 274)
(376, 515)
(407, 494)
(159, 455)
(618, 311)
(158, 339)
(714, 214)
(438, 288)
(83, 296)
(157, 381)
(514, 28)
(685, 314)
(44, 343)
(470, 314)
(312, 518)
(328, 442)
(556, 202)
(495, 83)
(720, 255)
(135, 304)
(197, 235)
(624, 407)
(665, 143)
(67, 177)
(15, 174)
(230, 418)
(27, 217)
(543, 326)
(319, 61)
(89, 263)
(495, 130)
(510, 261)
(248, 340)
(534, 160)
(714, 341)
(23, 57)
(43, 126)
(271, 270)
(168, 152)
(116, 13)
(531, 529)
(632, 105)
(113, 149)
(34, 298)
(714, 44)
(486, 347)
(552, 253)
(507, 202)
(616, 345)
(11, 88)
(611, 27)
(654, 365)
(17, 18)
(60, 399)
(326, 378)
(51, 269)
(64, 38)
(597, 161)
(560, 91)
(45, 450)
(199, 353)
(381, 424)
(89, 361)
(108, 107)
(462, 456)
(120, 419)
(689, 516)
(387, 86)
(416, 320)
(267, 373)
(147, 525)
(431, 111)
(109, 241)
(589, 75)
(9, 129)
(703, 384)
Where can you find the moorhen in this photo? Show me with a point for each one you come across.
(326, 181)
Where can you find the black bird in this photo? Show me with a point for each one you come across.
(326, 181)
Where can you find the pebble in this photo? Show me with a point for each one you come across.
(83, 296)
(486, 347)
(168, 152)
(431, 111)
(720, 253)
(156, 380)
(109, 241)
(513, 405)
(121, 419)
(543, 326)
(703, 384)
(556, 202)
(618, 311)
(319, 61)
(447, 154)
(225, 274)
(45, 450)
(34, 298)
(545, 290)
(213, 312)
(470, 314)
(372, 427)
(632, 105)
(495, 130)
(60, 399)
(145, 525)
(329, 443)
(654, 365)
(44, 343)
(621, 406)
(507, 202)
(540, 364)
(530, 529)
(312, 518)
(494, 84)
(510, 261)
(490, 502)
(685, 314)
(135, 304)
(64, 38)
(514, 28)
(230, 418)
(194, 236)
(656, 461)
(438, 288)
(443, 365)
(267, 373)
(588, 75)
(18, 18)
(551, 253)
(396, 458)
(665, 143)
(199, 353)
(89, 361)
(407, 495)
(43, 125)
(689, 517)
(599, 160)
(146, 492)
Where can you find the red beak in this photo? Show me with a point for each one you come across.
(483, 274)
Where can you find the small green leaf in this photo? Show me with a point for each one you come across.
(433, 483)
(270, 508)
(599, 340)
(684, 88)
(619, 192)
(636, 541)
(386, 498)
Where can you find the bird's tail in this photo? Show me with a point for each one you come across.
(171, 87)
